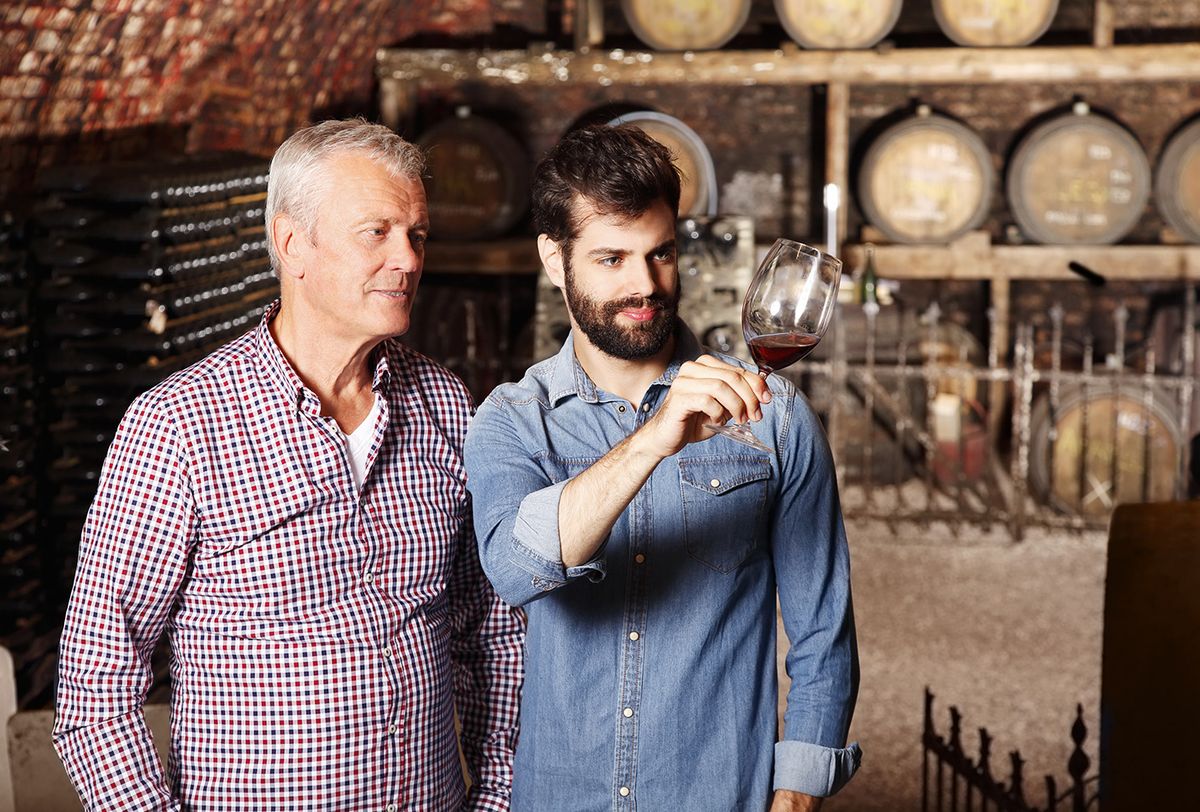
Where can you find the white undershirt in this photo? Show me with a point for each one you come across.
(358, 444)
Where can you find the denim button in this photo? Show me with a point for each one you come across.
(624, 792)
(621, 408)
(639, 558)
(628, 712)
(634, 635)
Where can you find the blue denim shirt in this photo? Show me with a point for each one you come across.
(650, 670)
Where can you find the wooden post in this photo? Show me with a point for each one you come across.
(589, 24)
(8, 707)
(397, 104)
(1102, 24)
(837, 148)
(837, 161)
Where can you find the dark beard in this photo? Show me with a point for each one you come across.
(598, 321)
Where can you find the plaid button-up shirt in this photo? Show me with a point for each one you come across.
(323, 634)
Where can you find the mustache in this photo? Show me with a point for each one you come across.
(655, 300)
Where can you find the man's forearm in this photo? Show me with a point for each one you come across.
(788, 801)
(592, 502)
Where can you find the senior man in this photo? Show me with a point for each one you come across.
(292, 510)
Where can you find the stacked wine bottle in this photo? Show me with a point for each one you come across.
(27, 617)
(141, 269)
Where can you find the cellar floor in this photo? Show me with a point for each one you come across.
(1008, 632)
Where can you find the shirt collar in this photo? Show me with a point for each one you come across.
(276, 367)
(569, 378)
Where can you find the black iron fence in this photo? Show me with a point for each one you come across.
(927, 424)
(954, 781)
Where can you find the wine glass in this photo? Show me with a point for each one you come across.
(787, 309)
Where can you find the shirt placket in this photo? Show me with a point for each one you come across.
(375, 603)
(391, 722)
(632, 630)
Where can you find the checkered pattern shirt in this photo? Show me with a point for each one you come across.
(323, 635)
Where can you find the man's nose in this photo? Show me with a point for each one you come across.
(639, 279)
(403, 254)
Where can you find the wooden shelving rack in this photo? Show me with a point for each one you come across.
(404, 73)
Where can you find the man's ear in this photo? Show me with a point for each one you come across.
(290, 243)
(552, 259)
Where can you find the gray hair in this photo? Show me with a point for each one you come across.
(296, 169)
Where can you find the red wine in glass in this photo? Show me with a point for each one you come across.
(778, 350)
(787, 309)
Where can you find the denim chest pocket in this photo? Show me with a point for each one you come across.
(557, 467)
(724, 507)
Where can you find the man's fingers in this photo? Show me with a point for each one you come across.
(713, 397)
(747, 386)
(706, 364)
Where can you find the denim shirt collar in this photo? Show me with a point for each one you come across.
(567, 377)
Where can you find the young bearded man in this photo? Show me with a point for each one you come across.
(647, 552)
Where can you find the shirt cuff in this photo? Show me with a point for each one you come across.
(537, 548)
(812, 769)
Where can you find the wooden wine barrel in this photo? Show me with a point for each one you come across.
(1147, 442)
(1177, 182)
(992, 23)
(478, 183)
(1078, 179)
(838, 23)
(927, 179)
(685, 25)
(698, 191)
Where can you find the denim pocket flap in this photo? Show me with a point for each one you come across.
(721, 474)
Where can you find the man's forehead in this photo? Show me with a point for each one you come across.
(589, 221)
(353, 166)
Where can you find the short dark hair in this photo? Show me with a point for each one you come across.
(619, 170)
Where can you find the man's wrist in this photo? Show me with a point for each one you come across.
(787, 800)
(643, 447)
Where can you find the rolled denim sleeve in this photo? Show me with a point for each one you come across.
(812, 569)
(812, 769)
(516, 512)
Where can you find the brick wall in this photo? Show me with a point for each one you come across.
(99, 79)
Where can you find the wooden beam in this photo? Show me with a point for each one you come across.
(1125, 63)
(973, 258)
(516, 255)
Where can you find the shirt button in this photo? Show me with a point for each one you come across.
(392, 730)
(387, 651)
(621, 408)
(645, 407)
(391, 808)
(716, 483)
(634, 635)
(624, 792)
(369, 577)
(641, 559)
(628, 712)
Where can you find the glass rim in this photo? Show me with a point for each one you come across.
(804, 248)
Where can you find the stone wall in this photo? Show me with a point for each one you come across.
(84, 80)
